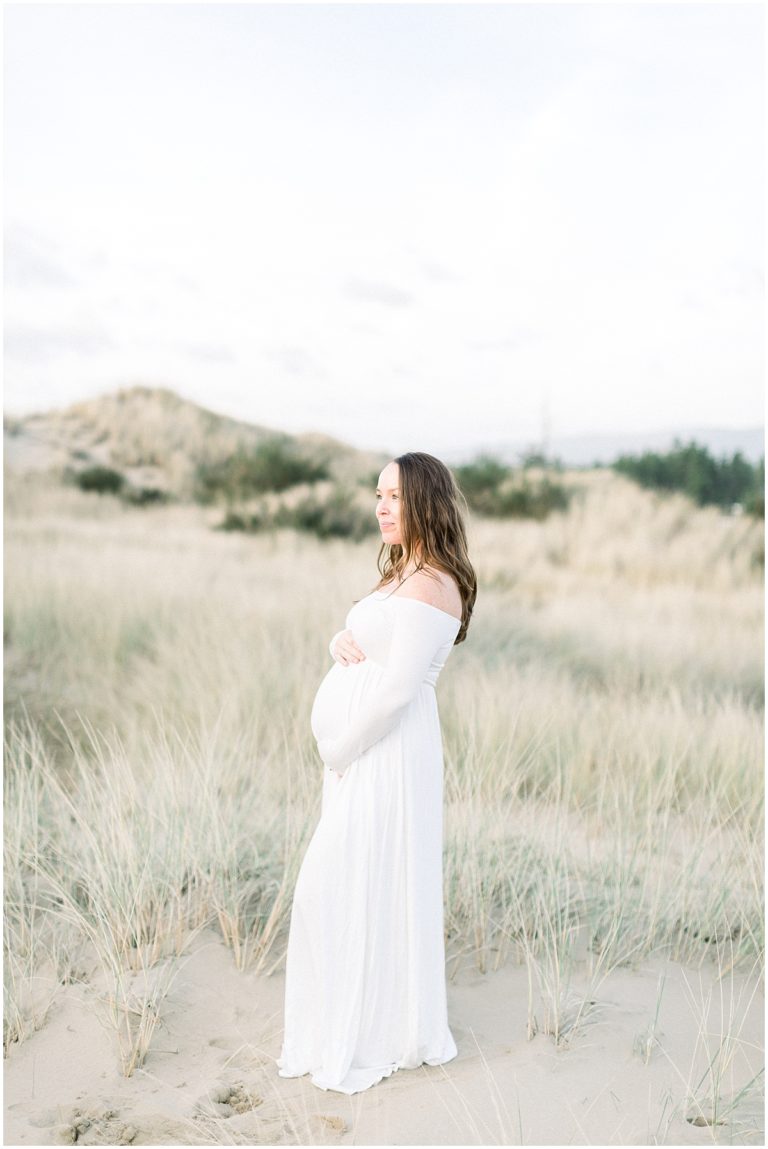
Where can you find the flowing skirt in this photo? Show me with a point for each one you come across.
(365, 986)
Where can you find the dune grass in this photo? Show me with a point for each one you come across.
(603, 734)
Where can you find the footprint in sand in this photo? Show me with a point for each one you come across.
(90, 1126)
(224, 1100)
(330, 1124)
(241, 1057)
(220, 1043)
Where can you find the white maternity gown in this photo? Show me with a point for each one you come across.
(365, 986)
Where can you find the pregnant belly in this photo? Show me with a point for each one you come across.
(337, 697)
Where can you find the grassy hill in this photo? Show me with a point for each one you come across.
(156, 439)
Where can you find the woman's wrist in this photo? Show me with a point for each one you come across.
(326, 750)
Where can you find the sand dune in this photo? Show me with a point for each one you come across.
(210, 1076)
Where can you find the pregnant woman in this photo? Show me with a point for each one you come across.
(365, 975)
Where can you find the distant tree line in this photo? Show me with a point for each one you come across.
(240, 481)
(690, 468)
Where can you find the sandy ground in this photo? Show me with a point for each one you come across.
(210, 1075)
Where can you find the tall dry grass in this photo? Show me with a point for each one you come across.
(603, 732)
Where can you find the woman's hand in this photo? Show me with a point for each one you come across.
(345, 649)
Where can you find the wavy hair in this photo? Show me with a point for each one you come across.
(432, 528)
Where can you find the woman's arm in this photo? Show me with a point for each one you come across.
(330, 644)
(419, 632)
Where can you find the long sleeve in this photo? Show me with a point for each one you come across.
(330, 644)
(418, 633)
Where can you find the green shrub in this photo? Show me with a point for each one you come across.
(145, 496)
(102, 480)
(524, 501)
(369, 481)
(754, 500)
(537, 458)
(486, 485)
(481, 476)
(249, 521)
(690, 468)
(754, 504)
(274, 465)
(338, 516)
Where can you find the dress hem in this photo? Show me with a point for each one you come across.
(358, 1079)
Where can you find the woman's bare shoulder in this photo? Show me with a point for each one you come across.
(435, 587)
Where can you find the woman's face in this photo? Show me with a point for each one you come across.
(388, 504)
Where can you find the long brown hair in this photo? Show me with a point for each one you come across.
(432, 528)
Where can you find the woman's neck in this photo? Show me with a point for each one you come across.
(413, 564)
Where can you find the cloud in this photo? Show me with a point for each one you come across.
(208, 352)
(32, 261)
(439, 274)
(517, 337)
(742, 278)
(295, 361)
(41, 343)
(371, 291)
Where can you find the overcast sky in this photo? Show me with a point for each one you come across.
(412, 227)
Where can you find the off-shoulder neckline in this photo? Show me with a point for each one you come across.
(420, 601)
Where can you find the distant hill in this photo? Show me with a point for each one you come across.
(156, 439)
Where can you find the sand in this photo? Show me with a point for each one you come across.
(210, 1076)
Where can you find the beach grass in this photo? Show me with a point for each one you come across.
(602, 728)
